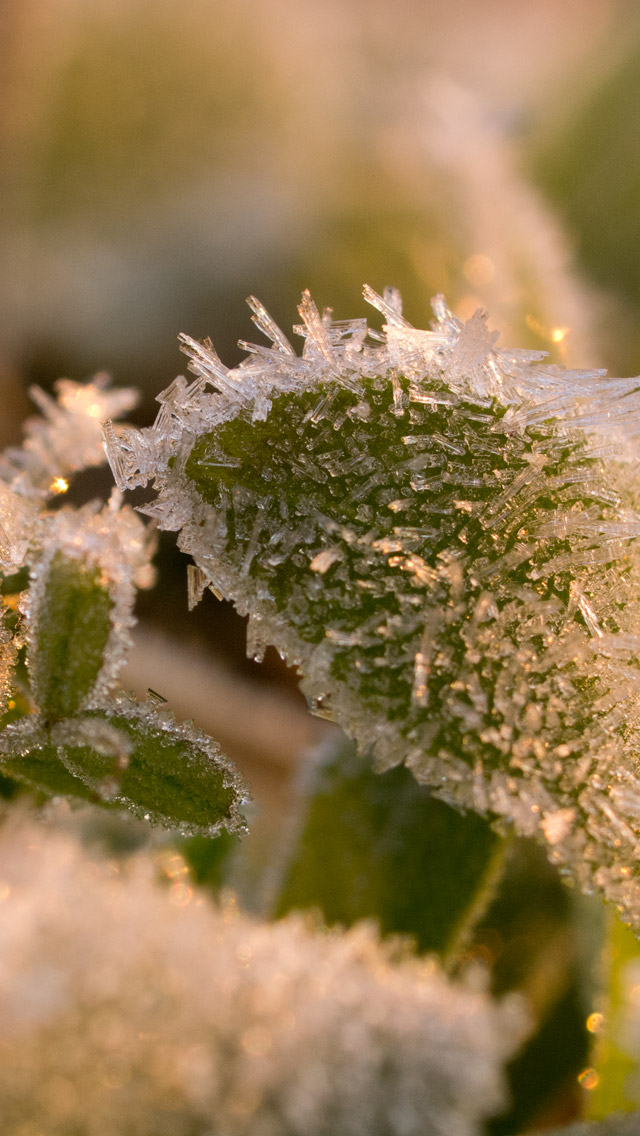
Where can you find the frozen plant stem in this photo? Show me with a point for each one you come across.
(442, 536)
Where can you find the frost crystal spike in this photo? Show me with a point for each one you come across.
(443, 536)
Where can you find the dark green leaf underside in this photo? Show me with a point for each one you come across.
(378, 845)
(621, 1125)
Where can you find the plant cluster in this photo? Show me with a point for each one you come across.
(442, 536)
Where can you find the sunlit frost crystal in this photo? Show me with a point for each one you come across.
(66, 437)
(443, 536)
(125, 1007)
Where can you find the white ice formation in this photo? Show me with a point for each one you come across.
(129, 1007)
(65, 437)
(443, 536)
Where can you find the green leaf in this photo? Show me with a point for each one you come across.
(614, 1066)
(36, 763)
(167, 773)
(209, 858)
(134, 757)
(70, 628)
(443, 539)
(379, 845)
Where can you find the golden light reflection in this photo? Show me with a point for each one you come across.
(588, 1078)
(59, 485)
(556, 335)
(173, 866)
(595, 1022)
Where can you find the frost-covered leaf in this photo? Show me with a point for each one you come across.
(135, 1004)
(79, 608)
(28, 755)
(73, 623)
(18, 523)
(134, 756)
(379, 846)
(443, 536)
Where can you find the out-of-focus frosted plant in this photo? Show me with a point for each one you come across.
(139, 191)
(441, 535)
(73, 575)
(127, 1007)
(582, 153)
(448, 210)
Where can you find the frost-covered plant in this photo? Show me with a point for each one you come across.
(441, 535)
(74, 574)
(127, 1008)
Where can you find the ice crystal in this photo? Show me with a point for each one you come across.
(441, 534)
(128, 1007)
(66, 437)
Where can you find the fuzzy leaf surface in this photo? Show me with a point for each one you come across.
(70, 636)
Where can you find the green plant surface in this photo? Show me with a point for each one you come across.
(621, 1125)
(613, 1064)
(41, 769)
(441, 537)
(380, 846)
(164, 777)
(71, 634)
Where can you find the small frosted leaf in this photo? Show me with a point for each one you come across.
(71, 626)
(130, 756)
(79, 608)
(18, 522)
(65, 437)
(140, 758)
